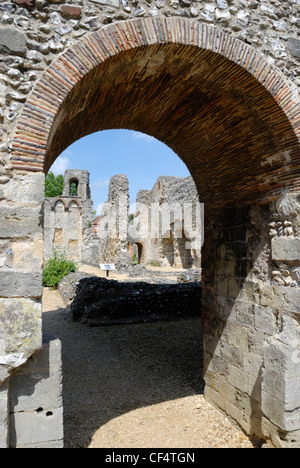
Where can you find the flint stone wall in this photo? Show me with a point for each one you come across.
(68, 220)
(103, 302)
(166, 245)
(33, 32)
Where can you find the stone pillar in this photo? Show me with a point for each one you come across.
(4, 409)
(35, 400)
(118, 199)
(250, 327)
(281, 371)
(281, 386)
(21, 260)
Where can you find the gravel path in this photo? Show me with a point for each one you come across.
(136, 386)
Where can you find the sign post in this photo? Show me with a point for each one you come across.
(107, 267)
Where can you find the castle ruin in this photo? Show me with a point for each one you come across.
(68, 221)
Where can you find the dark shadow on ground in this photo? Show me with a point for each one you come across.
(108, 371)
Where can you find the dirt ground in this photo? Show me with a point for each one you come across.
(135, 386)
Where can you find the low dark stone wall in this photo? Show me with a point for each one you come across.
(104, 302)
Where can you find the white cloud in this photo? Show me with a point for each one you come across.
(99, 209)
(100, 183)
(61, 165)
(143, 136)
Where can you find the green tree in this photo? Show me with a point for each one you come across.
(54, 185)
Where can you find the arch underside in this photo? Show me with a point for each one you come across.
(235, 139)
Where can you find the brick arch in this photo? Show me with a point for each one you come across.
(234, 80)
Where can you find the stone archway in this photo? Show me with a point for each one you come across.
(235, 122)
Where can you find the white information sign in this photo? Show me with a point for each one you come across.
(107, 266)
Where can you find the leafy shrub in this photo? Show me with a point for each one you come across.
(56, 269)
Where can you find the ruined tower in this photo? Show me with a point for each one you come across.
(68, 219)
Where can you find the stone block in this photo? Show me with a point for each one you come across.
(20, 222)
(71, 12)
(222, 287)
(254, 386)
(238, 379)
(36, 418)
(265, 320)
(114, 3)
(215, 398)
(20, 329)
(278, 413)
(249, 291)
(36, 427)
(284, 389)
(12, 42)
(215, 365)
(253, 364)
(25, 3)
(233, 287)
(42, 374)
(26, 256)
(278, 358)
(256, 341)
(286, 249)
(212, 345)
(15, 284)
(278, 438)
(294, 45)
(236, 336)
(5, 254)
(284, 299)
(4, 415)
(232, 355)
(26, 189)
(235, 413)
(245, 314)
(289, 331)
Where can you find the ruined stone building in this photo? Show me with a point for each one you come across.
(68, 219)
(112, 228)
(158, 232)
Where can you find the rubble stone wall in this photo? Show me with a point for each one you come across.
(113, 225)
(68, 220)
(161, 227)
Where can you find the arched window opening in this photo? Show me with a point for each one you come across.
(74, 188)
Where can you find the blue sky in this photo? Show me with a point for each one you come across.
(104, 154)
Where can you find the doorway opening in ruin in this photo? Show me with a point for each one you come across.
(139, 251)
